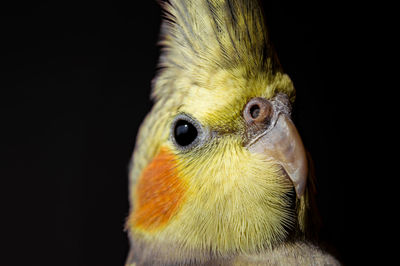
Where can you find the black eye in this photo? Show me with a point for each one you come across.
(184, 132)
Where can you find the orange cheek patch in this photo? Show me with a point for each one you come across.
(159, 192)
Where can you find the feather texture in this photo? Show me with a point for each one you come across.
(201, 38)
(218, 202)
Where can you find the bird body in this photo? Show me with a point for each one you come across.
(219, 174)
(294, 253)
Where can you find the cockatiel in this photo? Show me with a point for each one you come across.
(219, 174)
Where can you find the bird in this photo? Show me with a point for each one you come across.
(219, 173)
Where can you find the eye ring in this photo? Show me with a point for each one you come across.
(186, 125)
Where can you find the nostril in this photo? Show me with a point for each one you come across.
(255, 111)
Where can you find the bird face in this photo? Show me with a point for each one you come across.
(223, 177)
(218, 162)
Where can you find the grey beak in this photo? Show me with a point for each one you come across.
(281, 142)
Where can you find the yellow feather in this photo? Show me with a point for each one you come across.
(216, 56)
(202, 38)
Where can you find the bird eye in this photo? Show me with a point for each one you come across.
(185, 131)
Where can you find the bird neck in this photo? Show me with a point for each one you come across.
(286, 253)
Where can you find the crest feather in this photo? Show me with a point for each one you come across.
(200, 37)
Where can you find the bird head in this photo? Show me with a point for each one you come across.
(219, 166)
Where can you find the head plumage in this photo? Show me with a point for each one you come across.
(200, 37)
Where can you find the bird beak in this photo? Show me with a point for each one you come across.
(274, 135)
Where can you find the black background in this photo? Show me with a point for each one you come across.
(75, 79)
